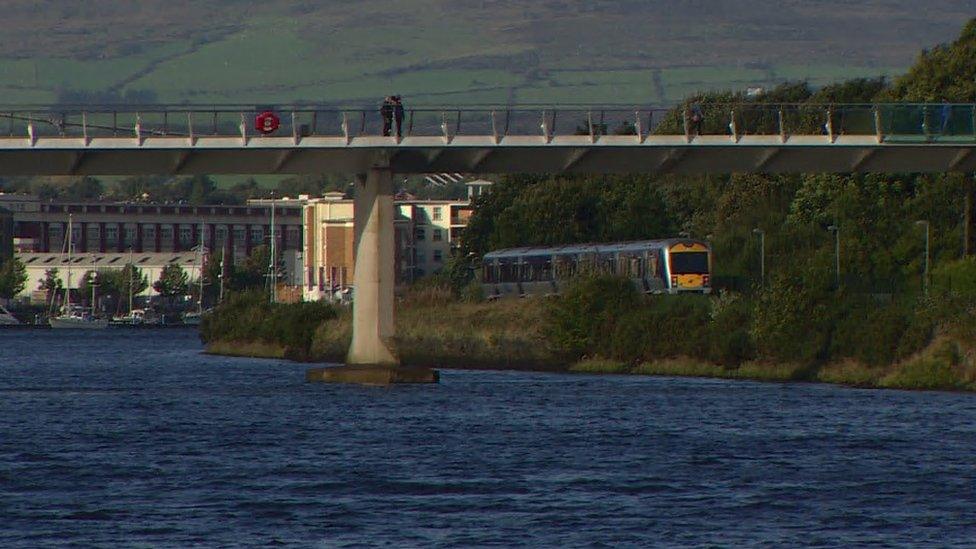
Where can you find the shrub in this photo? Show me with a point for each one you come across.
(250, 317)
(583, 319)
(792, 322)
(872, 333)
(936, 369)
(730, 341)
(663, 327)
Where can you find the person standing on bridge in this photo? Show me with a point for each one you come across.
(697, 117)
(398, 115)
(946, 115)
(386, 111)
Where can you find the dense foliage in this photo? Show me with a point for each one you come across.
(249, 316)
(13, 276)
(788, 323)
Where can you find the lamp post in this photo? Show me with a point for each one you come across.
(925, 276)
(836, 230)
(762, 256)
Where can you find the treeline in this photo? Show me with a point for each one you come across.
(808, 332)
(880, 219)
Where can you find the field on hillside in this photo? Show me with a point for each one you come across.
(450, 51)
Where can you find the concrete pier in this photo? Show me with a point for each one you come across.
(372, 309)
(372, 357)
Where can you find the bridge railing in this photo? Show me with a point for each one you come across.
(892, 122)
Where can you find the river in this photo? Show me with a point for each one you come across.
(133, 437)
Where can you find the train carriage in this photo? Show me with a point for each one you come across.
(654, 266)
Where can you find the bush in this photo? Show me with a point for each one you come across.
(730, 341)
(792, 322)
(584, 317)
(663, 327)
(935, 370)
(250, 317)
(873, 333)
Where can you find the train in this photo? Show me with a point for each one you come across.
(673, 265)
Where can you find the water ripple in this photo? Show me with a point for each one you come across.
(137, 439)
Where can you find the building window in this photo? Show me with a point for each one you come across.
(166, 233)
(420, 234)
(437, 256)
(238, 235)
(186, 235)
(93, 233)
(437, 236)
(421, 258)
(149, 232)
(221, 234)
(437, 213)
(257, 235)
(130, 235)
(112, 234)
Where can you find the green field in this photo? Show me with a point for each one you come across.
(448, 52)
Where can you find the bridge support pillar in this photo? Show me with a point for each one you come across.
(373, 278)
(372, 357)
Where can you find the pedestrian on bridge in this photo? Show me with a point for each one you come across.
(946, 115)
(697, 117)
(386, 112)
(398, 115)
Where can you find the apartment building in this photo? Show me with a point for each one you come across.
(107, 227)
(425, 234)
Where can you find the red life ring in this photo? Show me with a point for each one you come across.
(267, 122)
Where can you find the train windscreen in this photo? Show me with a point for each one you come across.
(689, 263)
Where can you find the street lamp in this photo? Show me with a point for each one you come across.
(836, 230)
(762, 256)
(925, 278)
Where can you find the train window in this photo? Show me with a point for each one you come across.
(689, 263)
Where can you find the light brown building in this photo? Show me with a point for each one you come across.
(426, 233)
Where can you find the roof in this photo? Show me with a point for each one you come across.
(596, 247)
(108, 260)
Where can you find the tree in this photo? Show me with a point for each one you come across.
(51, 284)
(252, 274)
(172, 281)
(132, 277)
(84, 189)
(13, 276)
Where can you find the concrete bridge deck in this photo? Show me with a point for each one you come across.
(730, 138)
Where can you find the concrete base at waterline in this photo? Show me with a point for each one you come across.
(372, 375)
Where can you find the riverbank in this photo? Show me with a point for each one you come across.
(437, 331)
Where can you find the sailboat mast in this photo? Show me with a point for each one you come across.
(131, 269)
(272, 267)
(93, 284)
(67, 286)
(200, 251)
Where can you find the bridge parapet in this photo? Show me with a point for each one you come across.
(886, 122)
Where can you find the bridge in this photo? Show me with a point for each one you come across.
(706, 138)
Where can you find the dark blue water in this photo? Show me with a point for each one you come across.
(135, 438)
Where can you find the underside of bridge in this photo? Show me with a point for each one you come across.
(480, 154)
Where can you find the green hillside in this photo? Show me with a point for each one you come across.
(450, 51)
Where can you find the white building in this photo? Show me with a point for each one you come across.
(150, 264)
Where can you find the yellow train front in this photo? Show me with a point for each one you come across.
(672, 265)
(689, 266)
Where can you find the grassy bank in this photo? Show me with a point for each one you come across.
(250, 349)
(445, 333)
(769, 338)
